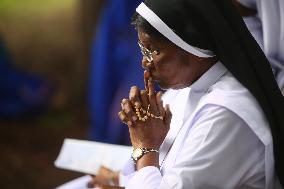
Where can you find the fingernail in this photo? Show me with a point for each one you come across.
(137, 104)
(129, 123)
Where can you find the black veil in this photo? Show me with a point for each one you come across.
(216, 25)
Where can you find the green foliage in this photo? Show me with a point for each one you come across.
(20, 7)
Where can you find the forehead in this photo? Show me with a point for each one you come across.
(147, 39)
(157, 43)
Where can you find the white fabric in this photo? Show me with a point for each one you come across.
(162, 27)
(219, 138)
(78, 183)
(270, 35)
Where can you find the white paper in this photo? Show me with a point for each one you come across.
(88, 156)
(79, 183)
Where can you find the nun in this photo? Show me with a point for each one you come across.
(220, 123)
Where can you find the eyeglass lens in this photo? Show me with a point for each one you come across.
(146, 52)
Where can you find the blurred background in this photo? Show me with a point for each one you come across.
(44, 59)
(64, 68)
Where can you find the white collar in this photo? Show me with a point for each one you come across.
(209, 78)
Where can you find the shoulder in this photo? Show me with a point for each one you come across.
(219, 124)
(230, 93)
(234, 97)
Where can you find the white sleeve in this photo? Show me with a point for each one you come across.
(220, 151)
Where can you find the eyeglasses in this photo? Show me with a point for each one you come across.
(146, 52)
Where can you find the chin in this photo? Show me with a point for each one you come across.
(178, 87)
(162, 85)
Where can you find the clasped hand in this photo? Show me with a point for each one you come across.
(147, 119)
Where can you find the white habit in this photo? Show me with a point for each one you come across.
(219, 138)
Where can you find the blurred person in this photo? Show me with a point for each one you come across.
(265, 20)
(21, 93)
(114, 53)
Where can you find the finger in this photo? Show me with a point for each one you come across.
(122, 116)
(146, 78)
(160, 103)
(151, 89)
(128, 110)
(102, 170)
(95, 183)
(152, 97)
(134, 96)
(123, 102)
(90, 184)
(168, 115)
(144, 98)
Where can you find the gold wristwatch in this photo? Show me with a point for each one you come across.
(139, 152)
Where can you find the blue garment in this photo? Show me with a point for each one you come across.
(4, 56)
(21, 93)
(115, 67)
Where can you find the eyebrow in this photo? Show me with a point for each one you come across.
(155, 48)
(149, 49)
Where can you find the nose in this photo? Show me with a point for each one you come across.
(146, 64)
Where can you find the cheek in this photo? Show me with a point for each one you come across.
(170, 72)
(172, 67)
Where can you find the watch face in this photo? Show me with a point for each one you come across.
(137, 153)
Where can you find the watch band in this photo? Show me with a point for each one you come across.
(139, 152)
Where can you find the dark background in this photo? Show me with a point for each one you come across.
(50, 38)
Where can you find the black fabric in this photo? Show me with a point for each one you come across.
(216, 24)
(176, 15)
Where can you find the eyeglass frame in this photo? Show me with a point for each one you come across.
(147, 53)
